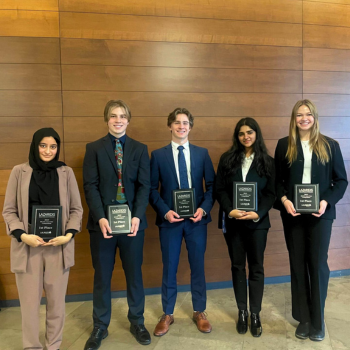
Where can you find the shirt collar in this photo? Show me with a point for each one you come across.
(175, 145)
(250, 158)
(121, 139)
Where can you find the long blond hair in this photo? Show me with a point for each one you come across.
(317, 141)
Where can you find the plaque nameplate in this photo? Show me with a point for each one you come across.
(184, 202)
(119, 219)
(306, 198)
(46, 221)
(245, 196)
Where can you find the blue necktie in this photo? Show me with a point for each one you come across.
(182, 169)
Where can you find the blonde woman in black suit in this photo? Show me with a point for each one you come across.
(307, 156)
(246, 231)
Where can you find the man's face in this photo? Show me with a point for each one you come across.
(118, 122)
(180, 129)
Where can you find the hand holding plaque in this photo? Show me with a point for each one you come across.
(119, 219)
(306, 198)
(46, 221)
(245, 196)
(184, 202)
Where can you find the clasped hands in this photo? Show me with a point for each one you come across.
(291, 210)
(36, 241)
(243, 215)
(106, 229)
(172, 216)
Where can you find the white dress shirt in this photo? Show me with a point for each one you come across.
(307, 162)
(187, 155)
(247, 162)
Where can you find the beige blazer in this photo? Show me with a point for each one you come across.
(15, 212)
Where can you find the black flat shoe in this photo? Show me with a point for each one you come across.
(95, 339)
(303, 330)
(242, 324)
(140, 333)
(316, 334)
(255, 325)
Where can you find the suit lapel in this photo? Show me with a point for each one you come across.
(192, 161)
(128, 149)
(109, 150)
(62, 184)
(27, 172)
(170, 158)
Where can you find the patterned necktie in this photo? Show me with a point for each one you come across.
(182, 169)
(119, 159)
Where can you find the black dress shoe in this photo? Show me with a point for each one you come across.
(303, 330)
(140, 333)
(316, 334)
(95, 339)
(255, 325)
(242, 324)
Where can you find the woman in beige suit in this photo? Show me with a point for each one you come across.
(38, 264)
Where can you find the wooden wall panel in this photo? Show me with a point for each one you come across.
(326, 60)
(326, 37)
(29, 50)
(28, 23)
(326, 14)
(17, 103)
(326, 82)
(329, 105)
(118, 27)
(346, 2)
(88, 103)
(163, 54)
(112, 78)
(30, 77)
(268, 10)
(36, 5)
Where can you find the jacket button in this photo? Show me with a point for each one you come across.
(112, 200)
(115, 185)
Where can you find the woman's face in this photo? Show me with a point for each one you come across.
(47, 149)
(247, 136)
(304, 119)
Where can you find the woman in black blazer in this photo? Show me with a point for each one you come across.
(246, 231)
(307, 156)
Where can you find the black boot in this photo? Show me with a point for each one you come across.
(303, 330)
(316, 334)
(242, 324)
(255, 325)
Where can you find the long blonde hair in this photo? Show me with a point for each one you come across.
(318, 142)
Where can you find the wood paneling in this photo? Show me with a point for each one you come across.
(147, 28)
(17, 103)
(91, 104)
(28, 126)
(340, 238)
(339, 259)
(346, 2)
(327, 82)
(329, 105)
(28, 23)
(326, 60)
(111, 78)
(36, 5)
(326, 37)
(4, 176)
(29, 50)
(326, 14)
(163, 54)
(8, 288)
(268, 10)
(30, 77)
(5, 240)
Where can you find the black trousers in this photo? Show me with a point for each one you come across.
(246, 244)
(103, 253)
(307, 239)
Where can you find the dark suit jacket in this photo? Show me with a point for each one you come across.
(331, 177)
(101, 179)
(163, 172)
(266, 195)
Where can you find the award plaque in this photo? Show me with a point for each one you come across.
(119, 219)
(184, 202)
(245, 196)
(46, 221)
(306, 198)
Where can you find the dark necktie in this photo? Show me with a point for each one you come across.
(182, 169)
(119, 159)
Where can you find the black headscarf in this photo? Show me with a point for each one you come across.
(45, 175)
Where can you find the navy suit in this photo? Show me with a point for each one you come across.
(307, 236)
(246, 239)
(100, 186)
(163, 173)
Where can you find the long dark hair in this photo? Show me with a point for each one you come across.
(233, 158)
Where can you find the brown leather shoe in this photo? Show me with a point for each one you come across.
(203, 324)
(163, 325)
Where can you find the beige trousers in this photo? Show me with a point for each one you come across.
(44, 271)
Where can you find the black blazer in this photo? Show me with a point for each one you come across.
(101, 179)
(266, 195)
(331, 177)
